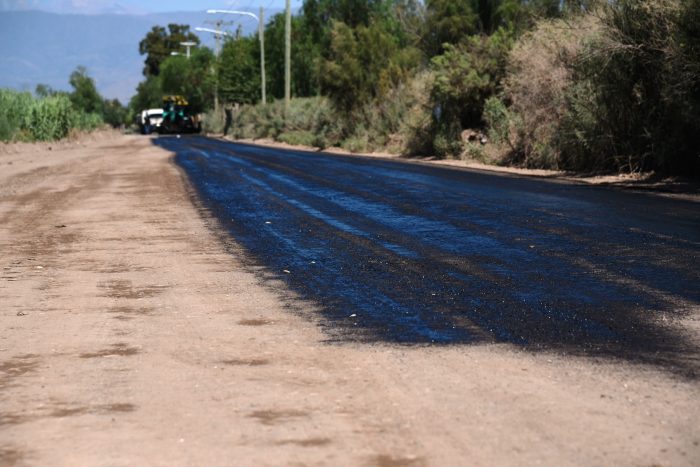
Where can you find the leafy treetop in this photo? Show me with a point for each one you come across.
(159, 43)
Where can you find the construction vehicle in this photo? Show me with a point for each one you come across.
(177, 118)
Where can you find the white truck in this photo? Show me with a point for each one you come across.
(150, 120)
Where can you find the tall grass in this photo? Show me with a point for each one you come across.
(50, 118)
(13, 109)
(25, 118)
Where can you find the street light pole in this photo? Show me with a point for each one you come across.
(261, 38)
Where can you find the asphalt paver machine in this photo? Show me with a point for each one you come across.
(177, 117)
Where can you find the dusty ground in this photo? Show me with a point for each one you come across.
(132, 335)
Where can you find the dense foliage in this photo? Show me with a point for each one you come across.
(26, 118)
(584, 85)
(239, 71)
(612, 91)
(192, 77)
(160, 43)
(635, 102)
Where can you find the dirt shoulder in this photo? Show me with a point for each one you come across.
(133, 335)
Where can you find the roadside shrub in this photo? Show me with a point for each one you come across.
(50, 118)
(466, 75)
(258, 121)
(498, 120)
(326, 125)
(298, 137)
(88, 121)
(537, 86)
(415, 134)
(213, 121)
(399, 122)
(13, 110)
(636, 102)
(617, 90)
(475, 151)
(307, 116)
(358, 142)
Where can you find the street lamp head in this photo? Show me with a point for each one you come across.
(212, 31)
(235, 12)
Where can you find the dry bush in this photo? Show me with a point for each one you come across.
(539, 73)
(411, 133)
(399, 122)
(636, 103)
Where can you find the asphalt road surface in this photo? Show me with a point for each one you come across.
(408, 253)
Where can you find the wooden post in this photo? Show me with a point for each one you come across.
(287, 57)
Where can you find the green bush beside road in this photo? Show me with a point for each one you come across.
(24, 117)
(52, 115)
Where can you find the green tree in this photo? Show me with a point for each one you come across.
(312, 36)
(159, 43)
(239, 71)
(304, 66)
(320, 15)
(192, 78)
(469, 73)
(451, 21)
(447, 22)
(149, 94)
(84, 97)
(114, 113)
(44, 90)
(363, 64)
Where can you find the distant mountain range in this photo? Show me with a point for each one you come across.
(44, 48)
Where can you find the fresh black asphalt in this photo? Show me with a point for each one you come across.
(415, 254)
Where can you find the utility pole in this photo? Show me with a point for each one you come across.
(261, 36)
(217, 37)
(287, 57)
(218, 32)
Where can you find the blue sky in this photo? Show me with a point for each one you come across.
(138, 6)
(184, 5)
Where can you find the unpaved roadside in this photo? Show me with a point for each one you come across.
(131, 334)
